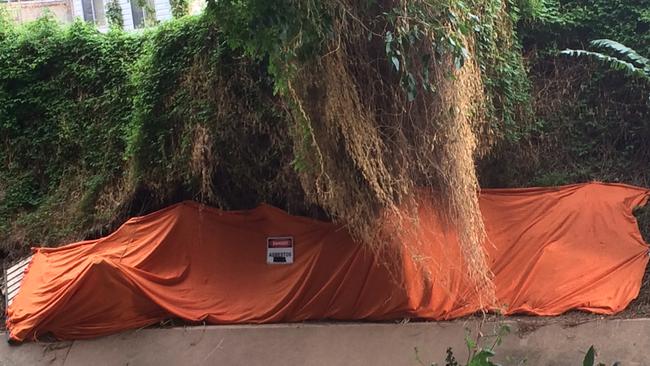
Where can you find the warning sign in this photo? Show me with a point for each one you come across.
(279, 250)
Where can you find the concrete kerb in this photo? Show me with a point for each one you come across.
(376, 344)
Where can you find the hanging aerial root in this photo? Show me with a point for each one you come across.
(368, 146)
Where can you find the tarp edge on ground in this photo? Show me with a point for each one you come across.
(555, 249)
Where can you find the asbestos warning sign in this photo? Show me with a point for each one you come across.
(279, 250)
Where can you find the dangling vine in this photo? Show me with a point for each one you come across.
(387, 97)
(339, 108)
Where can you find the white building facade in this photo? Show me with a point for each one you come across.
(135, 16)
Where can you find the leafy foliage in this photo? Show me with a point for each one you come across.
(97, 127)
(478, 354)
(559, 24)
(590, 122)
(435, 71)
(64, 93)
(179, 8)
(114, 14)
(283, 32)
(623, 50)
(150, 18)
(194, 94)
(590, 359)
(636, 64)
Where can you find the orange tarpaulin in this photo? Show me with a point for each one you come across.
(551, 250)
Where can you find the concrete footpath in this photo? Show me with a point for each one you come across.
(352, 344)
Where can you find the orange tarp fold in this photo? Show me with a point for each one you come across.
(550, 250)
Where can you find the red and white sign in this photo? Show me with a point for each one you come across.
(279, 250)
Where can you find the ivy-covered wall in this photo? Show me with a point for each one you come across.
(95, 128)
(65, 100)
(98, 127)
(590, 122)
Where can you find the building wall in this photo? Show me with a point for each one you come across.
(25, 11)
(162, 7)
(67, 10)
(163, 10)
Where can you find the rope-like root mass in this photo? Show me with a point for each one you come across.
(370, 150)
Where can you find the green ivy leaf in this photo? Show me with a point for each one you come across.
(395, 61)
(590, 357)
(482, 358)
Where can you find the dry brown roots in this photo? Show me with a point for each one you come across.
(370, 150)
